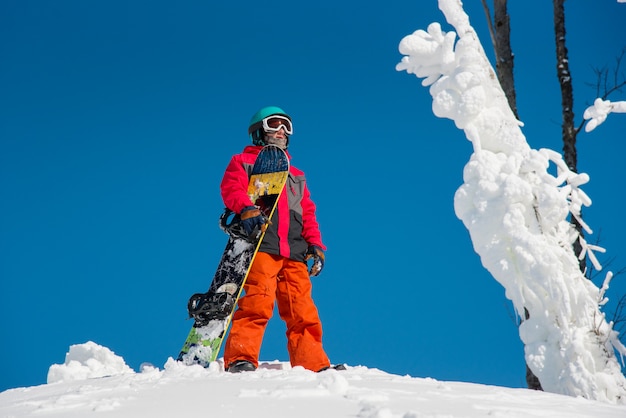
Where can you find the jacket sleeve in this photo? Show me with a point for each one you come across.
(234, 186)
(310, 228)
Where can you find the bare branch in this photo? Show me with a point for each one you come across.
(619, 318)
(617, 84)
(490, 26)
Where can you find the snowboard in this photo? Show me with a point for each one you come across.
(213, 310)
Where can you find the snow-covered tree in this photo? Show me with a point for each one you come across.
(500, 31)
(516, 212)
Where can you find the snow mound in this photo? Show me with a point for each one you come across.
(86, 361)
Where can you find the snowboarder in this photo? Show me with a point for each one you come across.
(279, 272)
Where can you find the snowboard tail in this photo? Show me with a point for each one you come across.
(212, 311)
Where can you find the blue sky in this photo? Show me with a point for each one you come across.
(118, 119)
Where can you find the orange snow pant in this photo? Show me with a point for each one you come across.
(275, 278)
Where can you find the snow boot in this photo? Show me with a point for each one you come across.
(241, 366)
(338, 367)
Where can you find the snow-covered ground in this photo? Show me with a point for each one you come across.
(93, 381)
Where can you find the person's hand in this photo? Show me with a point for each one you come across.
(251, 219)
(317, 254)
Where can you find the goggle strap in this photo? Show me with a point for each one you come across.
(255, 127)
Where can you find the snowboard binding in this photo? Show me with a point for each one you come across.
(204, 307)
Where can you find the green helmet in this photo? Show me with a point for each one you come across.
(255, 128)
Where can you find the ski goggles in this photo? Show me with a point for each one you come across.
(275, 122)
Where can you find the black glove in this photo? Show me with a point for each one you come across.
(252, 219)
(317, 254)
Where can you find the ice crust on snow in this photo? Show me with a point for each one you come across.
(275, 390)
(516, 211)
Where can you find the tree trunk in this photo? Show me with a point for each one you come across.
(504, 55)
(568, 129)
(501, 36)
(532, 381)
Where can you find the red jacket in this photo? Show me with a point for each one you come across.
(294, 226)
